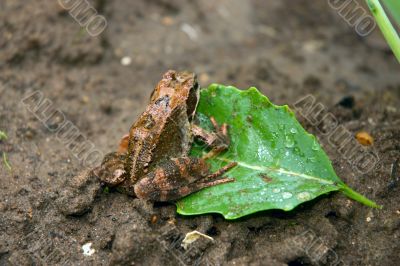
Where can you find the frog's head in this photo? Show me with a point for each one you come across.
(181, 87)
(189, 91)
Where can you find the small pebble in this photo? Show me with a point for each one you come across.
(167, 21)
(126, 61)
(190, 31)
(204, 78)
(30, 213)
(172, 221)
(85, 99)
(391, 109)
(312, 46)
(88, 250)
(371, 121)
(364, 138)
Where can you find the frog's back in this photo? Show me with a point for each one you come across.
(163, 130)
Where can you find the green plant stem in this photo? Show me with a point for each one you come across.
(358, 197)
(6, 163)
(3, 135)
(386, 26)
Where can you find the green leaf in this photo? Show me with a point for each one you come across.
(280, 165)
(394, 8)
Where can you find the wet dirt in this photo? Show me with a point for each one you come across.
(288, 49)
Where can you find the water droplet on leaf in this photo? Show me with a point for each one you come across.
(315, 146)
(276, 190)
(289, 142)
(286, 195)
(304, 196)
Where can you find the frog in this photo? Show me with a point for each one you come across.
(153, 161)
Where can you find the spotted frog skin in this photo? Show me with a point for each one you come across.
(152, 162)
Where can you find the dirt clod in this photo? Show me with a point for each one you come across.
(76, 196)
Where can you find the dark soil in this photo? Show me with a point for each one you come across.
(288, 49)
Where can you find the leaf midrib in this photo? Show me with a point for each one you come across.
(278, 170)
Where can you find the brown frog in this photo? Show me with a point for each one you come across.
(152, 162)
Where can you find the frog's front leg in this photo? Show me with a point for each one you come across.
(112, 171)
(218, 141)
(178, 178)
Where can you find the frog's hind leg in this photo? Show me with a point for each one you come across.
(206, 181)
(221, 171)
(178, 178)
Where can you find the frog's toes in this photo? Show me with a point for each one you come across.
(112, 171)
(223, 130)
(222, 139)
(114, 178)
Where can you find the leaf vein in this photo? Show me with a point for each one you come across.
(278, 170)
